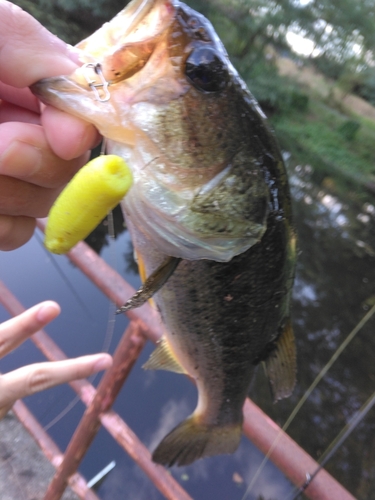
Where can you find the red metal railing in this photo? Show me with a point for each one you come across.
(294, 462)
(97, 402)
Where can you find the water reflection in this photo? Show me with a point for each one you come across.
(335, 285)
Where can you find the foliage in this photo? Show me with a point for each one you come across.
(54, 19)
(318, 139)
(248, 28)
(72, 20)
(99, 8)
(340, 29)
(275, 94)
(329, 68)
(365, 86)
(299, 101)
(349, 129)
(343, 31)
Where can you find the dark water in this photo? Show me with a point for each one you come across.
(335, 285)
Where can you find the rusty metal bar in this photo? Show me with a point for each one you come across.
(50, 449)
(288, 456)
(125, 356)
(89, 425)
(98, 271)
(291, 464)
(112, 285)
(110, 420)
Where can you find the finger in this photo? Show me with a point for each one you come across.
(40, 376)
(15, 231)
(26, 44)
(16, 330)
(68, 136)
(26, 155)
(22, 97)
(20, 198)
(4, 410)
(13, 113)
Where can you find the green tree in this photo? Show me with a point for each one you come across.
(343, 31)
(72, 20)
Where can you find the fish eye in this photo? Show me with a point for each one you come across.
(206, 70)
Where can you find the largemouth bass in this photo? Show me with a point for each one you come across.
(209, 211)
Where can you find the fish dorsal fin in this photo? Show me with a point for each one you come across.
(163, 358)
(281, 364)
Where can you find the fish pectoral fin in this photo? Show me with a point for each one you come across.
(163, 358)
(281, 364)
(151, 285)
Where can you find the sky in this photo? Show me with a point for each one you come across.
(300, 44)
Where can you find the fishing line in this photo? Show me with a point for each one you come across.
(112, 306)
(108, 336)
(62, 414)
(69, 406)
(111, 313)
(86, 309)
(133, 19)
(112, 257)
(70, 286)
(302, 401)
(336, 443)
(67, 282)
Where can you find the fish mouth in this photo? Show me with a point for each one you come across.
(110, 57)
(124, 45)
(119, 49)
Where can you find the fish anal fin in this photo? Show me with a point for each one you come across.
(192, 440)
(281, 364)
(163, 358)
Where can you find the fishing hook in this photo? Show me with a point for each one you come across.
(103, 85)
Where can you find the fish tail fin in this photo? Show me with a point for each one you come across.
(192, 440)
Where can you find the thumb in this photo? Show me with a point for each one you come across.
(28, 51)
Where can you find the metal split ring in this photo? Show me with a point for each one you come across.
(100, 88)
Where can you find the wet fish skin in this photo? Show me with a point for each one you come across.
(234, 312)
(210, 188)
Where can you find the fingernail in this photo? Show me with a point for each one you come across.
(65, 53)
(76, 55)
(47, 312)
(103, 363)
(20, 160)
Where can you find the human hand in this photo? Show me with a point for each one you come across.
(39, 376)
(39, 152)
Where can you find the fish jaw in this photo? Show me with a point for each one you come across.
(128, 37)
(67, 94)
(116, 48)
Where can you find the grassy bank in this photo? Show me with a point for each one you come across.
(319, 130)
(340, 148)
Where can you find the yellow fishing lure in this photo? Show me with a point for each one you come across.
(94, 191)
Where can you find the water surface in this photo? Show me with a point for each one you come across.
(335, 285)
